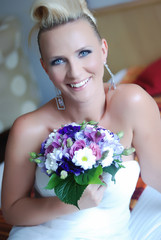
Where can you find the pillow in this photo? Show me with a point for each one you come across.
(137, 193)
(150, 78)
(132, 74)
(4, 228)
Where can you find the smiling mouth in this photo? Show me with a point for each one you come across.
(80, 84)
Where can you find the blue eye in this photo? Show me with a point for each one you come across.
(84, 53)
(57, 62)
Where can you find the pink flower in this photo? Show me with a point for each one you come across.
(79, 144)
(93, 134)
(96, 150)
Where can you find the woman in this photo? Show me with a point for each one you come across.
(73, 55)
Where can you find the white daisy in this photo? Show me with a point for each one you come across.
(84, 158)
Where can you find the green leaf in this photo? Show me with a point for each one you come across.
(83, 125)
(120, 134)
(92, 176)
(36, 160)
(33, 155)
(128, 151)
(93, 123)
(104, 155)
(112, 169)
(119, 163)
(69, 143)
(53, 181)
(68, 191)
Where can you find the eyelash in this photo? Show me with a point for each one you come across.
(57, 62)
(87, 52)
(60, 61)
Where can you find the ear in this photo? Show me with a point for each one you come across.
(104, 49)
(43, 65)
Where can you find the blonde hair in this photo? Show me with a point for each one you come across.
(48, 14)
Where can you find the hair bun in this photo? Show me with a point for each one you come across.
(55, 12)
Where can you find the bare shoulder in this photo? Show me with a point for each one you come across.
(132, 98)
(26, 125)
(131, 93)
(29, 130)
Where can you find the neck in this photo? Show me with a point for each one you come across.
(94, 109)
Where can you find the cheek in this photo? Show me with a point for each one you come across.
(56, 76)
(96, 65)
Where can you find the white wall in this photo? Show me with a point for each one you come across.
(20, 8)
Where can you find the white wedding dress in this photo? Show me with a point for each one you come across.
(110, 220)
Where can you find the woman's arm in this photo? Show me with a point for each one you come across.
(18, 208)
(145, 118)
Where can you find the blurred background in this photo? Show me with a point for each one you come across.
(132, 29)
(24, 85)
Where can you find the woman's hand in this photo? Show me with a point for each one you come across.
(92, 196)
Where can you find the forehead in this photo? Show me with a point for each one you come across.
(75, 34)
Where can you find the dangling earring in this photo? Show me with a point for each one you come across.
(59, 100)
(112, 77)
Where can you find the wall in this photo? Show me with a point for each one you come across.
(133, 33)
(94, 4)
(21, 9)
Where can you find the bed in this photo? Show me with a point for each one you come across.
(133, 33)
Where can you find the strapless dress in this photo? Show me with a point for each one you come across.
(109, 220)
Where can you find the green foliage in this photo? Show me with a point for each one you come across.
(92, 176)
(69, 191)
(120, 134)
(84, 123)
(34, 157)
(128, 151)
(53, 181)
(112, 169)
(104, 155)
(69, 142)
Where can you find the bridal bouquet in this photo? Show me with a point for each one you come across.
(76, 155)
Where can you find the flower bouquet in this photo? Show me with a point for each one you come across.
(76, 155)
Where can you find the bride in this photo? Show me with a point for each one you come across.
(74, 55)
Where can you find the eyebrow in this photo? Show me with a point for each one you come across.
(55, 57)
(83, 48)
(61, 56)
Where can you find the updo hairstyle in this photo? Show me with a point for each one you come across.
(48, 14)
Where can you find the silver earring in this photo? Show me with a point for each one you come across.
(59, 100)
(112, 76)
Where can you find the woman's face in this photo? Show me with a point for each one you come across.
(73, 57)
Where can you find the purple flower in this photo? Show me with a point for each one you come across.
(42, 149)
(68, 166)
(49, 149)
(94, 136)
(42, 165)
(69, 130)
(95, 150)
(79, 144)
(55, 144)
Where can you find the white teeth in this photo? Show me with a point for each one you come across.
(79, 84)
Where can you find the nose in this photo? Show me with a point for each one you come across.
(74, 69)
